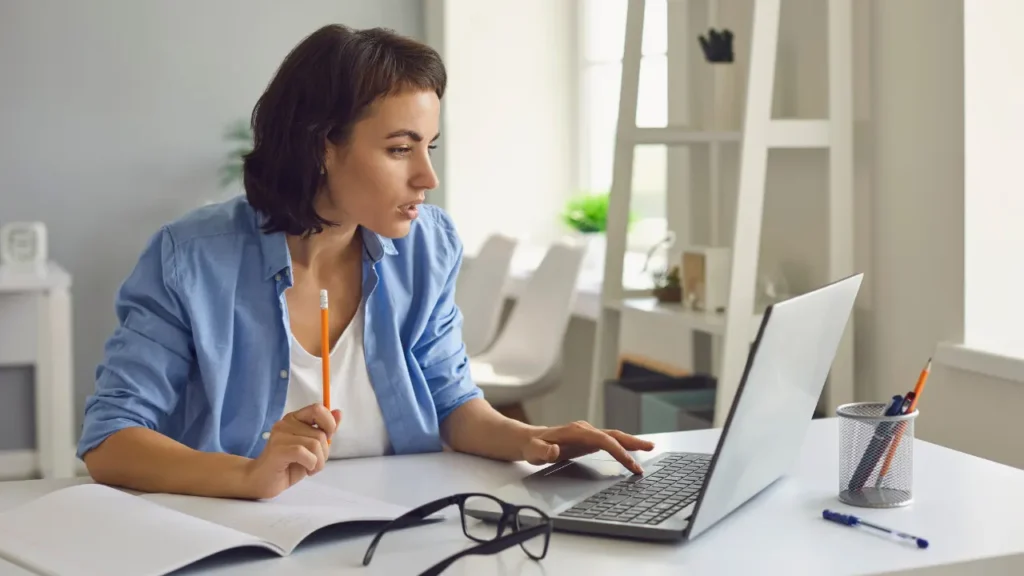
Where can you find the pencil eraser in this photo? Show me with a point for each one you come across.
(323, 299)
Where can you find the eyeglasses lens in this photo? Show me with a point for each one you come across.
(480, 530)
(527, 518)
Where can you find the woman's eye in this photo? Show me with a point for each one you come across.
(404, 150)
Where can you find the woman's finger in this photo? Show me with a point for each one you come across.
(575, 451)
(299, 454)
(540, 452)
(294, 427)
(592, 437)
(630, 442)
(314, 447)
(317, 414)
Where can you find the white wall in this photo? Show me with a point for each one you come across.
(918, 194)
(111, 115)
(995, 435)
(994, 204)
(510, 158)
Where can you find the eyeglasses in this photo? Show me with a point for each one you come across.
(530, 528)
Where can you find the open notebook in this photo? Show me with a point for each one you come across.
(94, 529)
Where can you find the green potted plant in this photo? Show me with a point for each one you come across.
(239, 135)
(667, 286)
(587, 215)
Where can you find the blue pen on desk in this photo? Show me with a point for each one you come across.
(850, 520)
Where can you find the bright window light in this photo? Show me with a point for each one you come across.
(994, 180)
(604, 26)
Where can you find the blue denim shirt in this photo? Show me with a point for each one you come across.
(201, 350)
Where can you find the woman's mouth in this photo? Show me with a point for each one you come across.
(410, 211)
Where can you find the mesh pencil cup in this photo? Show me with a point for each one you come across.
(876, 456)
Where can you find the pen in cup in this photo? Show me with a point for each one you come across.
(914, 397)
(879, 441)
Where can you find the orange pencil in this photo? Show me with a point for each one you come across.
(325, 351)
(899, 433)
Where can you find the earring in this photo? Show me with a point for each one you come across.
(322, 170)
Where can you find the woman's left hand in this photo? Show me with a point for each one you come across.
(556, 443)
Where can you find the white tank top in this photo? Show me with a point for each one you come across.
(362, 431)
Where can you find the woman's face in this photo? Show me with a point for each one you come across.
(380, 176)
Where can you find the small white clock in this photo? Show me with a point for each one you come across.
(23, 246)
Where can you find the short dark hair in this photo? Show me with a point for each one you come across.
(323, 87)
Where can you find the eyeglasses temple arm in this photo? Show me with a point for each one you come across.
(407, 519)
(492, 547)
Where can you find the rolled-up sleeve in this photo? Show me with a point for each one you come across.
(148, 358)
(440, 350)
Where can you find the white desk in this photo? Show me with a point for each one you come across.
(35, 331)
(968, 508)
(588, 285)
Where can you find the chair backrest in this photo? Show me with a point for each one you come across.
(480, 294)
(537, 325)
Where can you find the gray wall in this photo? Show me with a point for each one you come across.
(111, 115)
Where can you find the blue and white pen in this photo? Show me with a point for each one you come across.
(850, 520)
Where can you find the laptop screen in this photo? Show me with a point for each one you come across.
(776, 398)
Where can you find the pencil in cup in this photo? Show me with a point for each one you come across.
(894, 446)
(921, 380)
(325, 351)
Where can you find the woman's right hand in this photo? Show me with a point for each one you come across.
(295, 449)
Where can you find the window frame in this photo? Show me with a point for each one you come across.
(655, 49)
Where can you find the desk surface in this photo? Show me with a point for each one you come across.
(968, 508)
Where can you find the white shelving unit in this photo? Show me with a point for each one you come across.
(736, 327)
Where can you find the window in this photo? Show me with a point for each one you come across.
(993, 202)
(603, 28)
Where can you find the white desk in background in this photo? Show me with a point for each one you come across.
(588, 286)
(968, 508)
(35, 331)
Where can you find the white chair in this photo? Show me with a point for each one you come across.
(480, 292)
(523, 361)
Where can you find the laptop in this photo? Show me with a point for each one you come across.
(681, 495)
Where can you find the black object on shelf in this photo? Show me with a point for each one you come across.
(650, 404)
(717, 46)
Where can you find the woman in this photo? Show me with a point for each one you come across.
(210, 384)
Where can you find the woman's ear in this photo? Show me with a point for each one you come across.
(333, 154)
(328, 156)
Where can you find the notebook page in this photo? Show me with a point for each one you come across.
(92, 529)
(290, 517)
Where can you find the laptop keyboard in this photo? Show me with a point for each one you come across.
(650, 499)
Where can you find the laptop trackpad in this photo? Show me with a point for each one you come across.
(555, 486)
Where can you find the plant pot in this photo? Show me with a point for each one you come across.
(669, 294)
(596, 243)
